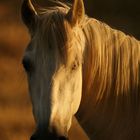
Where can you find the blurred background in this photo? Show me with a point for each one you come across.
(16, 120)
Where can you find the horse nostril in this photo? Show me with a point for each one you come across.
(62, 138)
(33, 137)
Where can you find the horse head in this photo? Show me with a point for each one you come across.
(53, 63)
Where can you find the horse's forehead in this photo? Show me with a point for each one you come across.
(54, 16)
(52, 22)
(53, 33)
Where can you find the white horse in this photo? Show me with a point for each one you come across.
(78, 66)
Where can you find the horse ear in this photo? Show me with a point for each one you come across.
(28, 14)
(76, 13)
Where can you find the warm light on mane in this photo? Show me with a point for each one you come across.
(54, 6)
(111, 65)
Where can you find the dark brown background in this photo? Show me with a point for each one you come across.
(16, 121)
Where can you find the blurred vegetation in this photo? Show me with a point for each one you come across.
(16, 120)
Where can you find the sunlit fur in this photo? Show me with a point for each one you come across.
(110, 105)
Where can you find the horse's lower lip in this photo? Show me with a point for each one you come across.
(63, 138)
(49, 137)
(60, 138)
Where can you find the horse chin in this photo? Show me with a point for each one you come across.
(48, 136)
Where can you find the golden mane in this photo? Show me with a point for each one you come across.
(54, 6)
(111, 62)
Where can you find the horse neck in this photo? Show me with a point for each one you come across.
(111, 59)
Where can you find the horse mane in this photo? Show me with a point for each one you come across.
(111, 58)
(54, 5)
(111, 63)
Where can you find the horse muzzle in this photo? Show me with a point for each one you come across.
(48, 136)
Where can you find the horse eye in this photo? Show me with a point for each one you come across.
(75, 65)
(27, 64)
